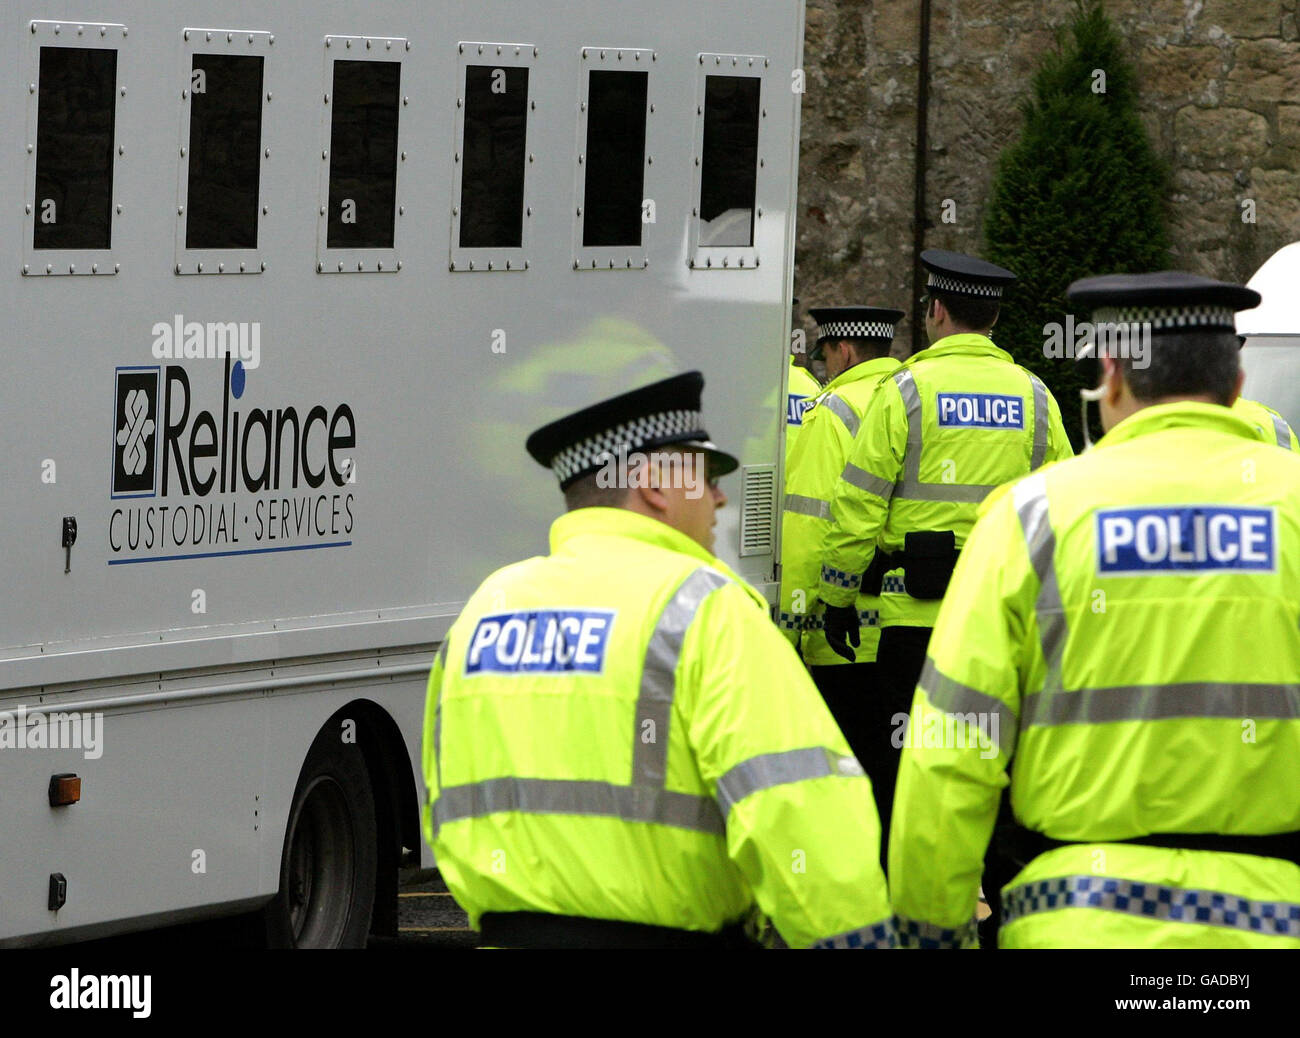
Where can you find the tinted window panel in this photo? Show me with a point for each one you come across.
(492, 157)
(363, 154)
(729, 168)
(224, 152)
(74, 148)
(615, 158)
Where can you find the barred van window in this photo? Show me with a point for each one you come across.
(74, 148)
(363, 154)
(615, 158)
(493, 157)
(729, 166)
(224, 152)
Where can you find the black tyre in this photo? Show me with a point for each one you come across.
(328, 864)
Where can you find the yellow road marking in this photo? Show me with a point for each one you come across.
(430, 893)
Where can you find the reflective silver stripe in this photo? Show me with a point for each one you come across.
(1154, 901)
(842, 411)
(952, 697)
(877, 935)
(1040, 423)
(659, 676)
(864, 480)
(573, 797)
(778, 769)
(1030, 497)
(912, 401)
(800, 505)
(915, 933)
(1283, 432)
(969, 493)
(437, 715)
(1193, 699)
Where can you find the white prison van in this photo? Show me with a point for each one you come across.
(1271, 354)
(285, 285)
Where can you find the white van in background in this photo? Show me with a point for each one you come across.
(1271, 355)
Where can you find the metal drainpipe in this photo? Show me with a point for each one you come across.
(918, 202)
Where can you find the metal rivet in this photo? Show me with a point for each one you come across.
(327, 98)
(498, 48)
(94, 268)
(72, 268)
(760, 210)
(268, 96)
(403, 156)
(401, 210)
(263, 264)
(187, 35)
(691, 263)
(652, 109)
(117, 267)
(230, 37)
(533, 105)
(579, 160)
(119, 209)
(324, 154)
(471, 264)
(182, 152)
(200, 268)
(455, 210)
(30, 149)
(322, 210)
(399, 262)
(122, 92)
(489, 264)
(361, 265)
(507, 264)
(649, 160)
(349, 44)
(265, 209)
(701, 59)
(367, 44)
(185, 94)
(320, 268)
(575, 264)
(761, 163)
(531, 157)
(327, 43)
(180, 210)
(31, 88)
(49, 267)
(480, 50)
(26, 269)
(221, 268)
(242, 265)
(270, 39)
(267, 153)
(209, 37)
(528, 211)
(452, 265)
(379, 265)
(579, 210)
(460, 49)
(340, 266)
(29, 208)
(724, 261)
(121, 149)
(406, 100)
(525, 264)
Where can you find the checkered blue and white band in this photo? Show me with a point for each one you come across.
(856, 330)
(1162, 318)
(969, 288)
(592, 452)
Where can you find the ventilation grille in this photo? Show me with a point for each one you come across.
(758, 511)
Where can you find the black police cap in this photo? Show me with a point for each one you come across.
(855, 322)
(1170, 301)
(661, 414)
(964, 275)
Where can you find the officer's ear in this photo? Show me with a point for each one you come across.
(1112, 381)
(1237, 387)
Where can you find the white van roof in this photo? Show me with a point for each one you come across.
(1277, 281)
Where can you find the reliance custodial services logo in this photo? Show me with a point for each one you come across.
(135, 432)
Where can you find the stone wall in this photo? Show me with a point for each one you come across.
(1219, 82)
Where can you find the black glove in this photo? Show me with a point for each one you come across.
(842, 625)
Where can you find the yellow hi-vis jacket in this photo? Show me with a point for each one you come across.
(800, 391)
(1267, 423)
(1126, 623)
(812, 470)
(617, 731)
(956, 420)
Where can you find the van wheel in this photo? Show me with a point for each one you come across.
(328, 865)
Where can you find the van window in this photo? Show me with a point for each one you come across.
(224, 152)
(615, 158)
(363, 154)
(493, 157)
(729, 164)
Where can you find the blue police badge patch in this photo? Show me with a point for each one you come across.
(981, 410)
(796, 407)
(1186, 539)
(540, 641)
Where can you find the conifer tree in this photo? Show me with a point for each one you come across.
(1081, 192)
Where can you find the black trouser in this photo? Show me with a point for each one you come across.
(899, 663)
(866, 716)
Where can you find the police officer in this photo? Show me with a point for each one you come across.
(802, 388)
(620, 749)
(954, 421)
(854, 341)
(1271, 426)
(1124, 625)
